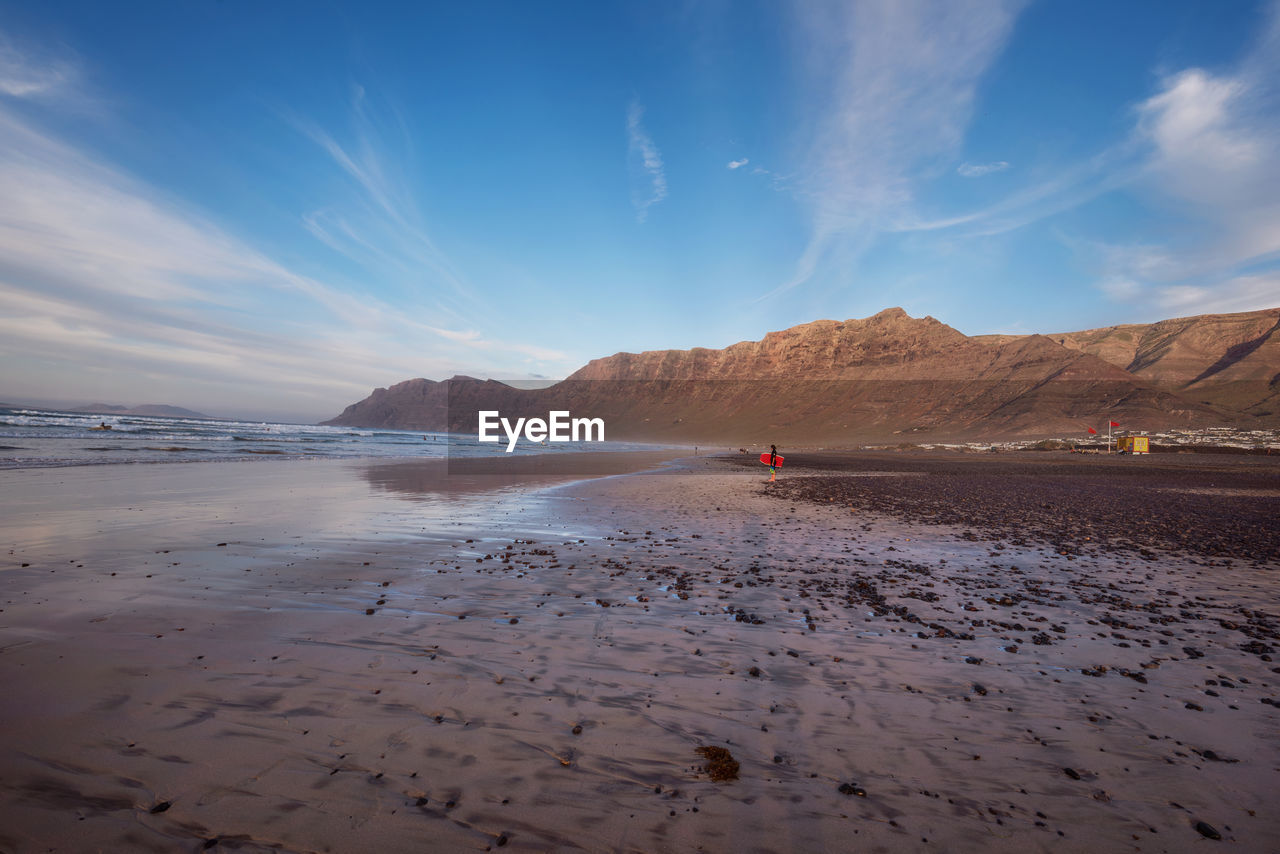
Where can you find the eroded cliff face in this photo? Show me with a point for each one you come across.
(889, 375)
(1226, 360)
(890, 343)
(1187, 349)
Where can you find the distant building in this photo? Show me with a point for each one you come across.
(1133, 445)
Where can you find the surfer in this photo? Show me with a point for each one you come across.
(773, 463)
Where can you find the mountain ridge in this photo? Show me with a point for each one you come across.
(883, 376)
(1229, 360)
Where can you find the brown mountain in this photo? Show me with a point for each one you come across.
(421, 404)
(882, 377)
(1231, 361)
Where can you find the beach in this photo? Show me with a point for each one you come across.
(346, 656)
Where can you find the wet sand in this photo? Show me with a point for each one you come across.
(1207, 505)
(297, 658)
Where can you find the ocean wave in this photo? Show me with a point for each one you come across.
(286, 440)
(41, 438)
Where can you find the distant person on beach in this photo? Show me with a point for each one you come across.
(773, 463)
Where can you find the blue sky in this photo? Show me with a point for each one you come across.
(268, 209)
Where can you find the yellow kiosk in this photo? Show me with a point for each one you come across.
(1133, 445)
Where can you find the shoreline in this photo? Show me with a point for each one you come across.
(308, 662)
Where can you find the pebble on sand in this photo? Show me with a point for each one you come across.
(1208, 831)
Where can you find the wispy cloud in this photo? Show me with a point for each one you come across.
(1213, 160)
(1069, 187)
(1229, 294)
(977, 170)
(649, 180)
(382, 226)
(22, 76)
(1238, 293)
(109, 287)
(895, 84)
(1205, 152)
(1217, 154)
(737, 164)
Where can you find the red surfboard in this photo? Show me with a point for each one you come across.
(764, 458)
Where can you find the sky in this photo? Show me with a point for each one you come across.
(266, 210)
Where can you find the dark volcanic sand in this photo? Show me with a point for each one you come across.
(1210, 506)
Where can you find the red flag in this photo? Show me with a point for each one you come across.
(1115, 423)
(1092, 431)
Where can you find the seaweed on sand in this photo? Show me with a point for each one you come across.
(720, 763)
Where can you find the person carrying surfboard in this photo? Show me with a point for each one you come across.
(773, 460)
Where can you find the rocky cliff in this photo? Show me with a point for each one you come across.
(1231, 361)
(881, 377)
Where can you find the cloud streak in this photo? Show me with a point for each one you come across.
(382, 227)
(1204, 151)
(977, 170)
(895, 84)
(649, 179)
(109, 288)
(20, 77)
(1213, 160)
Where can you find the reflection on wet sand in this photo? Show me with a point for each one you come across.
(458, 476)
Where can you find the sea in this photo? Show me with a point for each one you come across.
(41, 438)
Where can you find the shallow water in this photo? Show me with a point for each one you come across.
(326, 502)
(43, 438)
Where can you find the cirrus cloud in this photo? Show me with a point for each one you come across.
(894, 83)
(1213, 162)
(111, 287)
(649, 181)
(977, 170)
